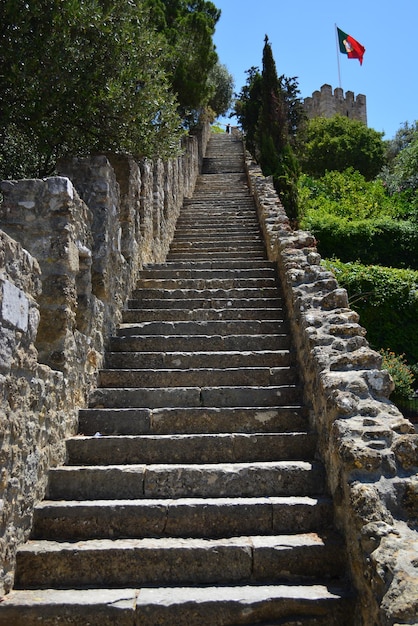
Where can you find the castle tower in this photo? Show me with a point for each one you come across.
(326, 103)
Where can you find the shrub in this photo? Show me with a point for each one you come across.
(400, 372)
(387, 301)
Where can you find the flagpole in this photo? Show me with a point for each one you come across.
(338, 55)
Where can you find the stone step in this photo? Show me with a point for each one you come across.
(164, 421)
(176, 314)
(213, 480)
(193, 360)
(245, 293)
(227, 246)
(168, 561)
(189, 449)
(211, 233)
(216, 264)
(212, 237)
(184, 517)
(209, 240)
(205, 204)
(208, 256)
(198, 377)
(168, 270)
(238, 218)
(212, 304)
(197, 327)
(199, 343)
(206, 283)
(211, 202)
(292, 605)
(221, 396)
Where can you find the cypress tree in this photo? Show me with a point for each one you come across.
(275, 152)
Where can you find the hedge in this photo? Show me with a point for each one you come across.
(387, 301)
(383, 241)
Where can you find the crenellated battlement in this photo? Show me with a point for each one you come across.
(327, 103)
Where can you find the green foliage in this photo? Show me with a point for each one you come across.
(221, 85)
(357, 220)
(338, 143)
(379, 241)
(400, 177)
(247, 109)
(387, 301)
(346, 195)
(217, 128)
(402, 139)
(101, 75)
(187, 27)
(401, 374)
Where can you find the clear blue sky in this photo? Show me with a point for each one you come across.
(302, 35)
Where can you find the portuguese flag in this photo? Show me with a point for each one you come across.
(349, 46)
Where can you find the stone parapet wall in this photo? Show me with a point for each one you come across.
(370, 450)
(36, 411)
(71, 248)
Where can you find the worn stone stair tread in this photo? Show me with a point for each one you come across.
(184, 448)
(203, 303)
(198, 376)
(135, 315)
(181, 517)
(178, 560)
(144, 481)
(114, 421)
(215, 264)
(175, 343)
(206, 283)
(216, 293)
(182, 606)
(201, 327)
(208, 359)
(194, 396)
(244, 254)
(190, 273)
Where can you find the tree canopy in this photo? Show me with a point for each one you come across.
(338, 143)
(187, 27)
(80, 76)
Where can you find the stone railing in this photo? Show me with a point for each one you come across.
(369, 449)
(71, 248)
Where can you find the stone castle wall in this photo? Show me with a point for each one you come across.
(326, 103)
(369, 449)
(71, 248)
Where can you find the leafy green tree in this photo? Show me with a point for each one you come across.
(401, 175)
(403, 137)
(188, 27)
(221, 85)
(78, 77)
(338, 143)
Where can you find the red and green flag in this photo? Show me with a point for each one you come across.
(349, 46)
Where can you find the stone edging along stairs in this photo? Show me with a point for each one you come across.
(192, 494)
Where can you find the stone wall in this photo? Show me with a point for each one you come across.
(369, 449)
(326, 103)
(71, 248)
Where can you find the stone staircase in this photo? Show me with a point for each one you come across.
(192, 495)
